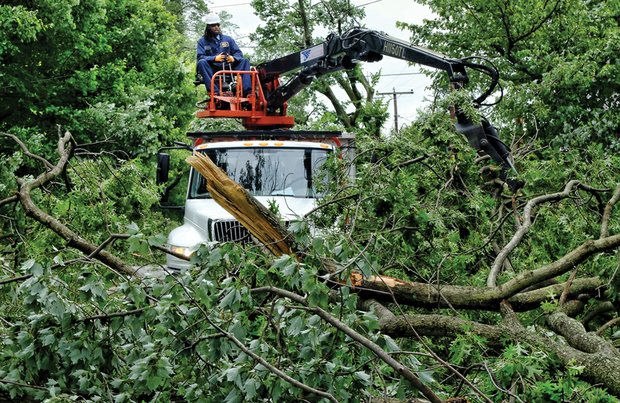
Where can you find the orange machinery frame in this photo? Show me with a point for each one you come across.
(251, 108)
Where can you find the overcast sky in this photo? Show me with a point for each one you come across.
(381, 15)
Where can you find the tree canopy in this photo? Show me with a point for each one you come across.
(558, 71)
(103, 68)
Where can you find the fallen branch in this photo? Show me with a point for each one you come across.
(65, 147)
(271, 368)
(26, 151)
(607, 212)
(598, 310)
(577, 336)
(600, 365)
(9, 200)
(367, 343)
(467, 297)
(240, 204)
(607, 325)
(566, 289)
(436, 326)
(599, 359)
(523, 229)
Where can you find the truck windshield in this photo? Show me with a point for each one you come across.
(266, 171)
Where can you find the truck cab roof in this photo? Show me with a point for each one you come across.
(263, 143)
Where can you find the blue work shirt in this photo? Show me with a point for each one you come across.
(208, 48)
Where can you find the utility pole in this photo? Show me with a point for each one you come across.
(394, 93)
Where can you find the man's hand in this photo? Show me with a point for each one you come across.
(219, 58)
(230, 59)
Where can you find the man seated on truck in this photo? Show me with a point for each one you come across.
(216, 51)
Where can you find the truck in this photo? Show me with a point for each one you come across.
(282, 169)
(280, 166)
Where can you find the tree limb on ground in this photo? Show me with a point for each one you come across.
(267, 230)
(64, 149)
(401, 369)
(586, 349)
(576, 347)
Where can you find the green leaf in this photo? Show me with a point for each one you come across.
(290, 269)
(238, 330)
(153, 382)
(132, 229)
(390, 344)
(363, 376)
(27, 265)
(233, 397)
(137, 244)
(295, 326)
(233, 375)
(230, 299)
(157, 240)
(250, 388)
(364, 267)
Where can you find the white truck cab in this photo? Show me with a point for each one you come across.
(276, 170)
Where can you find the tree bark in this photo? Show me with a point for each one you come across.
(259, 221)
(577, 336)
(599, 367)
(465, 297)
(571, 344)
(65, 148)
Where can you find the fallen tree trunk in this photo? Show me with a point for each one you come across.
(571, 343)
(466, 297)
(241, 205)
(265, 227)
(600, 365)
(600, 360)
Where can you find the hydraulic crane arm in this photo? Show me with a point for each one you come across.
(343, 52)
(359, 44)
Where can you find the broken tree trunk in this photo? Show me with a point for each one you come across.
(266, 228)
(258, 220)
(598, 358)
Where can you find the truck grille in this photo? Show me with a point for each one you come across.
(230, 231)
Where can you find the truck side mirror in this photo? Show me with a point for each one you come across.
(163, 167)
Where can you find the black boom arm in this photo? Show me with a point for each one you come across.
(360, 44)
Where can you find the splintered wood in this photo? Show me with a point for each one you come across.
(258, 220)
(261, 223)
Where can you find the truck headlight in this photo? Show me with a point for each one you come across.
(180, 250)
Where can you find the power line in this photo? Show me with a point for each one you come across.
(396, 74)
(399, 74)
(247, 4)
(365, 4)
(231, 5)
